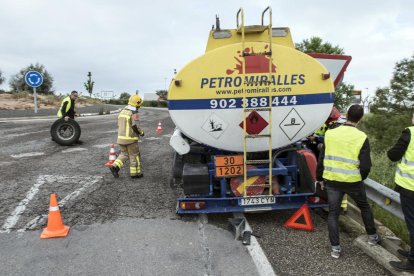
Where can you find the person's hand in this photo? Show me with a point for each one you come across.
(321, 183)
(66, 118)
(135, 117)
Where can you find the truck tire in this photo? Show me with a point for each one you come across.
(65, 133)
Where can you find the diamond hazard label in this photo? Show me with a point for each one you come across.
(292, 124)
(254, 123)
(214, 126)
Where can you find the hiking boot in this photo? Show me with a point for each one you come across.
(406, 266)
(374, 239)
(336, 251)
(137, 176)
(403, 253)
(114, 171)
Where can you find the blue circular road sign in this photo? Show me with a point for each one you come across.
(33, 79)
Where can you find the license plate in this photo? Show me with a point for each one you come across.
(257, 200)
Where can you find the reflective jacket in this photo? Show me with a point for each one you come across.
(322, 130)
(126, 135)
(404, 175)
(68, 106)
(342, 148)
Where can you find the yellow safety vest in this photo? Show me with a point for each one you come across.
(126, 135)
(342, 147)
(404, 176)
(67, 99)
(321, 131)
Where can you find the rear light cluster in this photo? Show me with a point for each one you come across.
(192, 205)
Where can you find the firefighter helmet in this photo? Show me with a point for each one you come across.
(135, 100)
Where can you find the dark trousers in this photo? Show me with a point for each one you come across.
(357, 192)
(407, 206)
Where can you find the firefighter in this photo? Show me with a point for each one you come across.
(128, 136)
(403, 151)
(344, 162)
(67, 107)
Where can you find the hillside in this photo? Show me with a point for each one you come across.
(22, 101)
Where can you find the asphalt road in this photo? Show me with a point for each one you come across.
(129, 227)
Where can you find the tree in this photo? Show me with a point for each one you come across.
(18, 84)
(2, 79)
(392, 106)
(89, 84)
(124, 96)
(316, 45)
(343, 96)
(398, 98)
(162, 94)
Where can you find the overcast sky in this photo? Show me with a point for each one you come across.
(131, 45)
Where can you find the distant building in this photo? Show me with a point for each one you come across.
(150, 97)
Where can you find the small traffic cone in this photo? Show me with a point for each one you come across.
(55, 227)
(159, 128)
(112, 156)
(303, 210)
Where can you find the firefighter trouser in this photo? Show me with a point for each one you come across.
(130, 152)
(344, 203)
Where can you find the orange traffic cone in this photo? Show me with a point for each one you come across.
(291, 222)
(112, 156)
(55, 227)
(159, 128)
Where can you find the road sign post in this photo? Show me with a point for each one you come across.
(34, 79)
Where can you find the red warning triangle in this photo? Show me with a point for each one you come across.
(291, 222)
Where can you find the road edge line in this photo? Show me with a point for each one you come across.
(263, 266)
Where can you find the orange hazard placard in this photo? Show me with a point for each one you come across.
(229, 165)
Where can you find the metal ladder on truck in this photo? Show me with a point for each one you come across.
(242, 29)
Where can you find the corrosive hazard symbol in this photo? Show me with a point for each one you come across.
(292, 124)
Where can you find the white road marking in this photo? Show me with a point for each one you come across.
(90, 180)
(256, 252)
(27, 154)
(152, 138)
(167, 135)
(103, 146)
(111, 131)
(18, 211)
(73, 150)
(22, 134)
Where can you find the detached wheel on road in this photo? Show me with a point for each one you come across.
(65, 133)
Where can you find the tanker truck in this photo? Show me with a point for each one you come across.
(242, 112)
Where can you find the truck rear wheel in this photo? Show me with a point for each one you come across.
(65, 133)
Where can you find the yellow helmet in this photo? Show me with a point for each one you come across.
(135, 100)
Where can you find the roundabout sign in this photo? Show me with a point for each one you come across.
(34, 79)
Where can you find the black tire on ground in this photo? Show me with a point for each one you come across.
(65, 133)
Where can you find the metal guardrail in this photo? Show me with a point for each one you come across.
(386, 198)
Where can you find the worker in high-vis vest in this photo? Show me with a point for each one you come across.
(344, 162)
(403, 151)
(128, 135)
(67, 107)
(334, 120)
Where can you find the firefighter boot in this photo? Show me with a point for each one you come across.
(137, 176)
(114, 171)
